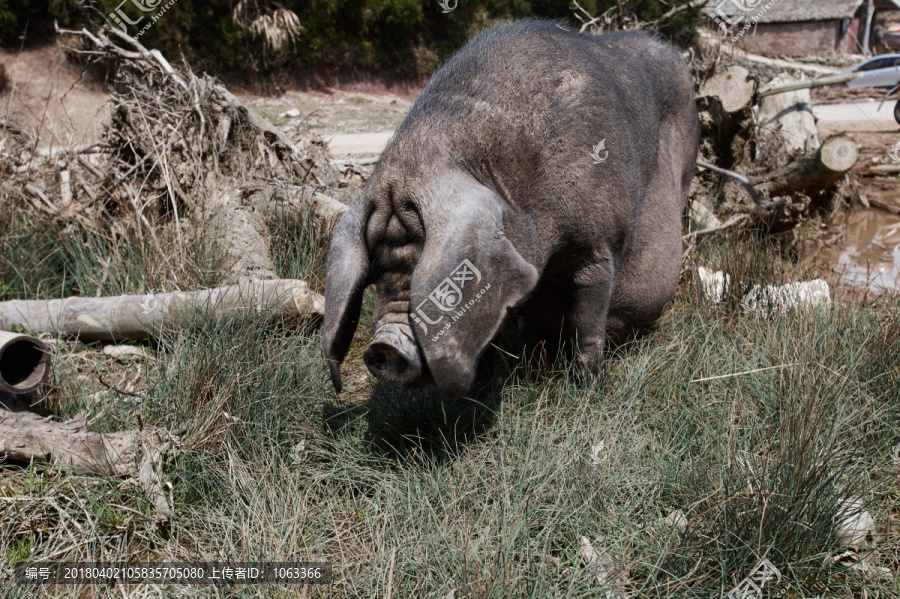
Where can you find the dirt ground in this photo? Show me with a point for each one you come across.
(50, 98)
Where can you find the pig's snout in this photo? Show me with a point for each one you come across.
(393, 355)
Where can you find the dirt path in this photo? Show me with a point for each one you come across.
(358, 145)
(862, 115)
(50, 98)
(356, 125)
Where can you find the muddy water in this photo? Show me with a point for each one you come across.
(869, 256)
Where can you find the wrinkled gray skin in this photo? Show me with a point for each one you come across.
(493, 165)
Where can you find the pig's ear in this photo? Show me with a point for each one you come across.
(468, 277)
(347, 275)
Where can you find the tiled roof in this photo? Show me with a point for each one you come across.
(785, 11)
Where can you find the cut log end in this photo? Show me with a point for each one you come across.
(24, 363)
(733, 86)
(839, 154)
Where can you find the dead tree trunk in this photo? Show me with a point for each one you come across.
(725, 101)
(725, 104)
(777, 148)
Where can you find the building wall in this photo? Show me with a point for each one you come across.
(851, 42)
(793, 38)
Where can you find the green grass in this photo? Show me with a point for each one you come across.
(412, 494)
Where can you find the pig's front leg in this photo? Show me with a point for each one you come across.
(592, 292)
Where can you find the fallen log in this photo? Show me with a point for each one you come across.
(245, 212)
(142, 316)
(737, 53)
(882, 169)
(24, 363)
(813, 173)
(288, 200)
(27, 437)
(882, 205)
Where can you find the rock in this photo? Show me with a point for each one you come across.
(677, 520)
(855, 526)
(783, 298)
(289, 114)
(121, 352)
(713, 285)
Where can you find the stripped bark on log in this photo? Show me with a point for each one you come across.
(786, 87)
(142, 316)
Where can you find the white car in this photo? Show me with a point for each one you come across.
(879, 71)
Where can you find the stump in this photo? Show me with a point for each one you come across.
(725, 102)
(787, 127)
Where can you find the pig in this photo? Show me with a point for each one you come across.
(542, 173)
